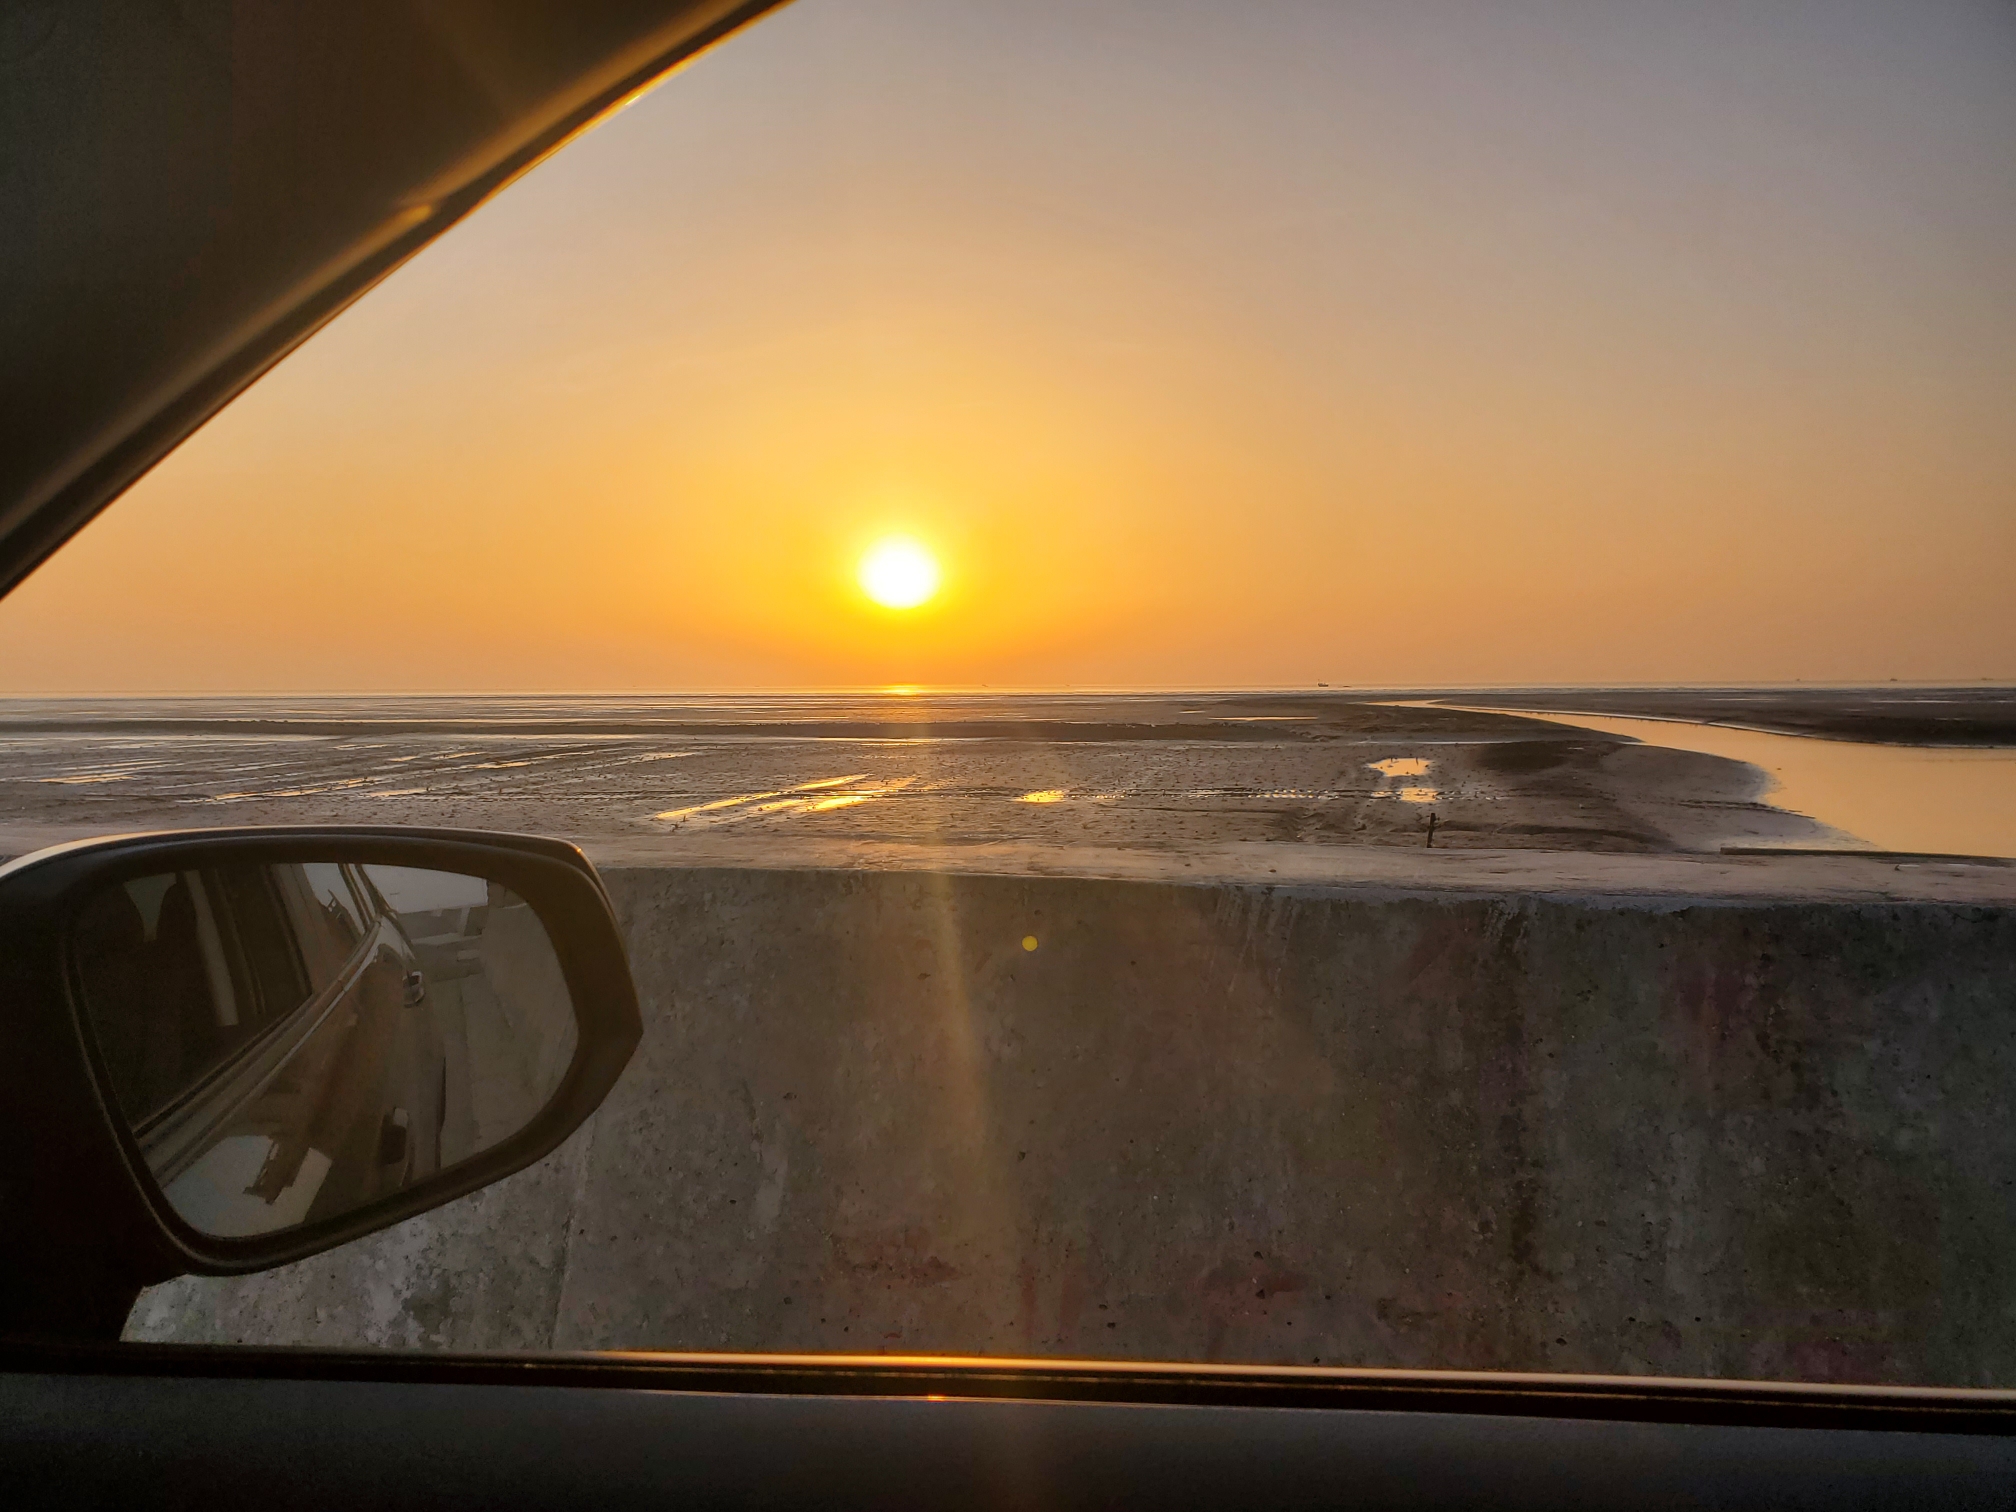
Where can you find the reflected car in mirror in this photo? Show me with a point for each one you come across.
(259, 1043)
(293, 1041)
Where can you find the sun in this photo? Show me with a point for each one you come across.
(899, 574)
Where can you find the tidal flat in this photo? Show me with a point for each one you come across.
(1293, 783)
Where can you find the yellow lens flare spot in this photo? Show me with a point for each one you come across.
(1045, 795)
(899, 574)
(1028, 942)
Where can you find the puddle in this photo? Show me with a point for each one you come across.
(675, 815)
(805, 798)
(314, 791)
(1401, 766)
(1404, 766)
(1926, 799)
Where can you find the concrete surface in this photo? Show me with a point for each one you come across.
(1394, 1122)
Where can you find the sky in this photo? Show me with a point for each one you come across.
(1201, 345)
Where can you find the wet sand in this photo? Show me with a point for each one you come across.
(1118, 772)
(1171, 783)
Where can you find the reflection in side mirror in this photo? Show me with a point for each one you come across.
(292, 1042)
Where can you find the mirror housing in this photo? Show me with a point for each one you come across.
(84, 1224)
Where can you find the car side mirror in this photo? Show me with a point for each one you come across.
(233, 1049)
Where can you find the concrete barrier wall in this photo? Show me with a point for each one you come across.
(1233, 1122)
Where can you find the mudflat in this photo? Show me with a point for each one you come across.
(1311, 785)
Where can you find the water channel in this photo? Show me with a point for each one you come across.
(1935, 800)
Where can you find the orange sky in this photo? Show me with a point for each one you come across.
(1207, 345)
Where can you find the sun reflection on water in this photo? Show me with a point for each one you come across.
(1404, 766)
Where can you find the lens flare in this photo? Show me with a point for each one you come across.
(899, 574)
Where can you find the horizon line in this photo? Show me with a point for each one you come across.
(935, 690)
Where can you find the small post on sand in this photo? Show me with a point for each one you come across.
(1431, 829)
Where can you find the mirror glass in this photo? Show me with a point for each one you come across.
(290, 1043)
